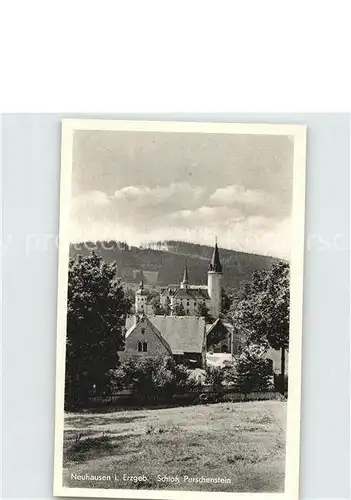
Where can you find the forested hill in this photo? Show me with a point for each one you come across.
(165, 261)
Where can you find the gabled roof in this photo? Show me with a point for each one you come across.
(147, 322)
(219, 324)
(130, 323)
(182, 333)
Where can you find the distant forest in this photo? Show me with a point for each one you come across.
(169, 261)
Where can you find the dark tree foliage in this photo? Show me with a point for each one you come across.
(129, 294)
(152, 378)
(215, 378)
(252, 372)
(156, 305)
(226, 302)
(130, 297)
(178, 310)
(167, 307)
(202, 311)
(262, 308)
(152, 294)
(96, 311)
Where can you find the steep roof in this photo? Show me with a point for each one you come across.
(216, 265)
(182, 333)
(185, 276)
(170, 290)
(192, 293)
(129, 323)
(219, 324)
(141, 290)
(147, 321)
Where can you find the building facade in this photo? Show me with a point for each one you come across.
(181, 332)
(182, 337)
(189, 297)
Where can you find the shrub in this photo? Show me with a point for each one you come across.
(215, 378)
(152, 379)
(252, 371)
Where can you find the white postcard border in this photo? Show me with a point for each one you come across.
(298, 133)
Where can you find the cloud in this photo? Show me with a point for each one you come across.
(166, 198)
(235, 194)
(206, 216)
(180, 211)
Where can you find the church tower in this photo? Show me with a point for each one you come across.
(140, 297)
(185, 282)
(214, 283)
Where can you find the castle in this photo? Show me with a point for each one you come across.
(186, 296)
(182, 331)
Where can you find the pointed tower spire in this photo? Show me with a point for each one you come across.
(214, 283)
(185, 276)
(142, 281)
(185, 282)
(215, 264)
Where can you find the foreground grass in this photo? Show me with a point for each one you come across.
(244, 442)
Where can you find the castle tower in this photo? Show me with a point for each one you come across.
(185, 282)
(214, 283)
(140, 297)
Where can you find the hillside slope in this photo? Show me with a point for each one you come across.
(167, 263)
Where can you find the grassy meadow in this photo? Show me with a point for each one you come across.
(244, 442)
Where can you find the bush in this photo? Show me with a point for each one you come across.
(152, 379)
(215, 378)
(252, 372)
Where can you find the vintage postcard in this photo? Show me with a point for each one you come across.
(179, 309)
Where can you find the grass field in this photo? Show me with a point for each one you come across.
(242, 443)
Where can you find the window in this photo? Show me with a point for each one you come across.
(140, 347)
(144, 346)
(270, 364)
(143, 331)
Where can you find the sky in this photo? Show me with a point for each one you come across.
(153, 186)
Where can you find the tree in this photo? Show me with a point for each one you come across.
(215, 378)
(226, 301)
(252, 372)
(262, 309)
(152, 294)
(167, 307)
(156, 305)
(202, 311)
(96, 311)
(152, 378)
(178, 310)
(129, 295)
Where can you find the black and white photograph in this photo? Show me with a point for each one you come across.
(179, 309)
